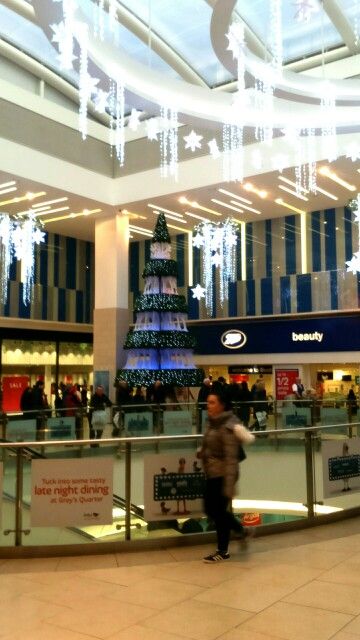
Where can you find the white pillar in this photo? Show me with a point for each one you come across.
(111, 314)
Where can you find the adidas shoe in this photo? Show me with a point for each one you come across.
(218, 556)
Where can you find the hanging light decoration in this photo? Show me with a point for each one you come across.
(217, 242)
(353, 265)
(17, 241)
(169, 142)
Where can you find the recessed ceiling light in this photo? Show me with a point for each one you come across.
(328, 173)
(234, 195)
(293, 193)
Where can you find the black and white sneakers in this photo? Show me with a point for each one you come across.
(218, 556)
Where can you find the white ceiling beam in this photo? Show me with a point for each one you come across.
(341, 23)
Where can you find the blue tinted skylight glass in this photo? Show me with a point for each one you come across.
(30, 39)
(300, 39)
(185, 27)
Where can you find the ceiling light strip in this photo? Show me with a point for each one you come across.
(228, 206)
(194, 215)
(7, 184)
(292, 184)
(8, 190)
(28, 196)
(174, 213)
(326, 193)
(328, 173)
(245, 206)
(281, 202)
(171, 217)
(85, 212)
(293, 193)
(45, 213)
(55, 201)
(234, 195)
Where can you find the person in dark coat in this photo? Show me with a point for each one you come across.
(204, 391)
(26, 403)
(244, 409)
(260, 405)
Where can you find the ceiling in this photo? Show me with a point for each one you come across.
(175, 39)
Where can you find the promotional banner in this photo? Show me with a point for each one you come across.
(173, 486)
(13, 387)
(71, 492)
(177, 423)
(341, 467)
(284, 380)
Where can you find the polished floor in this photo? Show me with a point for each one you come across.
(296, 586)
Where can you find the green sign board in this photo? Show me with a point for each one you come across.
(344, 467)
(60, 428)
(179, 486)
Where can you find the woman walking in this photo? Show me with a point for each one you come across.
(220, 456)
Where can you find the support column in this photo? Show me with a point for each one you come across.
(111, 314)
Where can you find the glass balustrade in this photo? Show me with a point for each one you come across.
(304, 455)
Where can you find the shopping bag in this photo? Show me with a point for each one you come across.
(261, 418)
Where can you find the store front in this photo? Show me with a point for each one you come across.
(324, 351)
(28, 356)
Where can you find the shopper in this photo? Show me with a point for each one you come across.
(260, 407)
(244, 408)
(98, 403)
(220, 457)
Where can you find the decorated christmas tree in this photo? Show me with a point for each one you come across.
(160, 346)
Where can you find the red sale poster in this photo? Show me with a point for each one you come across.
(284, 380)
(12, 387)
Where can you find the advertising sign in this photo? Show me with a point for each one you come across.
(177, 422)
(173, 486)
(139, 424)
(71, 492)
(60, 428)
(12, 387)
(341, 467)
(284, 380)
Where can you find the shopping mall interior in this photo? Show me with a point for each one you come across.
(187, 167)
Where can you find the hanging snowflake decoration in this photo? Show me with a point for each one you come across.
(217, 243)
(214, 149)
(193, 141)
(18, 240)
(353, 265)
(352, 151)
(198, 292)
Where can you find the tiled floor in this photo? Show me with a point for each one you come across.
(295, 586)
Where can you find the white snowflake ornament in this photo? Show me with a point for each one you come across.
(198, 292)
(193, 141)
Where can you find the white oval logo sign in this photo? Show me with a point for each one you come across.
(233, 339)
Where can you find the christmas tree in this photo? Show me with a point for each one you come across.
(160, 346)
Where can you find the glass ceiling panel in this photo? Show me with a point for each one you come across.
(300, 39)
(30, 39)
(351, 9)
(185, 27)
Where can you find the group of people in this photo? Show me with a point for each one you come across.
(245, 401)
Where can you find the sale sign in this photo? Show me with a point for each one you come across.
(71, 492)
(13, 387)
(284, 380)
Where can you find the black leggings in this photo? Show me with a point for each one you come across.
(216, 507)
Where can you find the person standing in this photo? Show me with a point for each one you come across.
(298, 391)
(244, 403)
(98, 403)
(220, 456)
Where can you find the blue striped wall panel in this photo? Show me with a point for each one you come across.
(44, 260)
(285, 294)
(330, 239)
(268, 249)
(71, 256)
(315, 241)
(193, 306)
(134, 266)
(233, 302)
(348, 217)
(249, 251)
(24, 310)
(303, 290)
(61, 305)
(290, 244)
(250, 298)
(180, 258)
(334, 290)
(266, 296)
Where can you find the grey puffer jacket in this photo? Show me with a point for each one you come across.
(219, 451)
